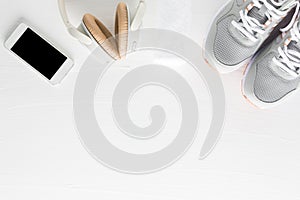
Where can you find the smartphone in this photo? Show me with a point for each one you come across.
(40, 54)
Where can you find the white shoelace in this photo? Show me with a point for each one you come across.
(249, 26)
(289, 60)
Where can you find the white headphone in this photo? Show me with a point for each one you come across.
(94, 30)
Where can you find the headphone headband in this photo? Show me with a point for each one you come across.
(137, 21)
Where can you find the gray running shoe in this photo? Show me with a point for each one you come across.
(240, 28)
(274, 74)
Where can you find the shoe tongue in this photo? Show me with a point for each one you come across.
(294, 46)
(259, 14)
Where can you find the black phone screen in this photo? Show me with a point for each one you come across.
(39, 53)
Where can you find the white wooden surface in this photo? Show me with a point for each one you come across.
(258, 156)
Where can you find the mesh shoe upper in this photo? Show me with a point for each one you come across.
(227, 48)
(269, 86)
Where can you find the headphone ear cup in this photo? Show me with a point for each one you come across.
(121, 28)
(102, 35)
